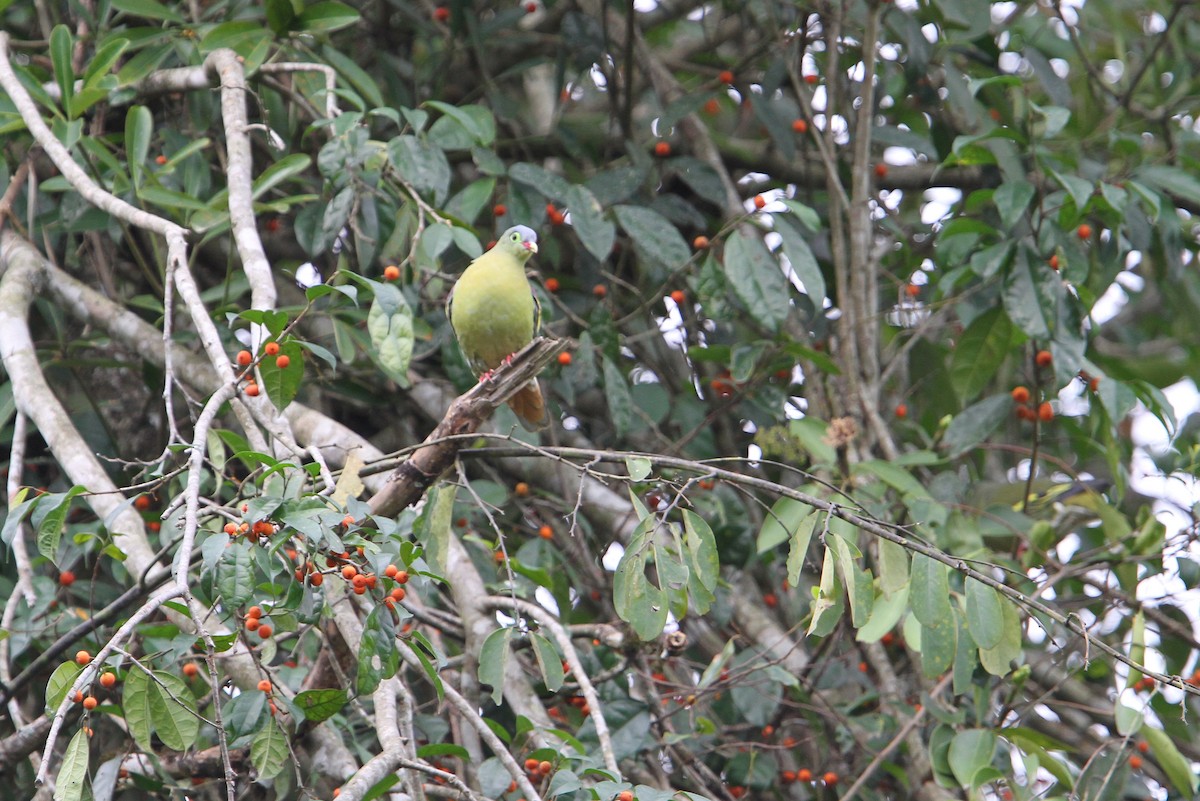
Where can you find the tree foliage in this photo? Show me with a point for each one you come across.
(863, 306)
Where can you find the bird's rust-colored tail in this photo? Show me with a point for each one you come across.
(530, 407)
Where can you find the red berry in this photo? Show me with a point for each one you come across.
(1135, 761)
(725, 77)
(1054, 262)
(804, 775)
(662, 149)
(530, 8)
(552, 285)
(252, 389)
(1045, 412)
(254, 611)
(82, 657)
(546, 533)
(700, 242)
(800, 126)
(91, 703)
(441, 14)
(391, 272)
(912, 290)
(265, 685)
(564, 359)
(811, 78)
(1084, 232)
(1044, 358)
(252, 624)
(771, 600)
(901, 410)
(711, 107)
(830, 779)
(66, 578)
(282, 362)
(1020, 394)
(265, 631)
(499, 210)
(191, 670)
(108, 679)
(160, 160)
(599, 290)
(141, 503)
(1143, 747)
(881, 170)
(244, 357)
(759, 202)
(678, 296)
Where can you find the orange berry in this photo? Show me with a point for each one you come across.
(1135, 761)
(678, 296)
(78, 696)
(108, 679)
(625, 795)
(402, 577)
(359, 581)
(391, 272)
(901, 410)
(804, 775)
(441, 14)
(544, 767)
(252, 623)
(711, 107)
(141, 503)
(522, 489)
(1045, 412)
(191, 670)
(282, 362)
(1020, 394)
(349, 572)
(1143, 747)
(789, 742)
(252, 389)
(531, 764)
(552, 285)
(499, 210)
(912, 290)
(662, 149)
(265, 685)
(800, 126)
(254, 611)
(725, 76)
(83, 657)
(160, 160)
(273, 709)
(811, 78)
(700, 242)
(557, 218)
(887, 639)
(390, 571)
(768, 730)
(881, 170)
(1054, 262)
(90, 703)
(271, 348)
(244, 357)
(397, 594)
(564, 359)
(347, 521)
(771, 600)
(1084, 232)
(788, 776)
(599, 290)
(1094, 384)
(316, 579)
(546, 533)
(66, 578)
(862, 667)
(1025, 413)
(830, 779)
(265, 632)
(759, 201)
(1044, 358)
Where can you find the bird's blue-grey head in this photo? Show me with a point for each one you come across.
(520, 240)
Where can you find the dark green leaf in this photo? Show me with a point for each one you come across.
(269, 750)
(422, 165)
(620, 402)
(654, 237)
(147, 9)
(493, 658)
(985, 617)
(802, 260)
(980, 351)
(756, 278)
(72, 774)
(1011, 199)
(326, 17)
(974, 424)
(377, 656)
(61, 45)
(319, 705)
(587, 218)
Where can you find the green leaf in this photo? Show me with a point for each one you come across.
(48, 518)
(998, 660)
(135, 700)
(974, 424)
(173, 711)
(859, 588)
(587, 218)
(139, 127)
(756, 278)
(1011, 199)
(800, 256)
(1078, 188)
(1128, 719)
(549, 661)
(432, 527)
(970, 752)
(636, 599)
(319, 705)
(235, 574)
(929, 592)
(377, 656)
(985, 617)
(639, 467)
(1177, 767)
(422, 165)
(798, 548)
(1172, 180)
(1104, 777)
(287, 167)
(1030, 295)
(480, 134)
(546, 183)
(390, 324)
(269, 750)
(781, 523)
(59, 683)
(141, 65)
(103, 60)
(282, 384)
(493, 658)
(827, 599)
(620, 401)
(326, 17)
(703, 561)
(894, 476)
(655, 239)
(885, 614)
(938, 647)
(147, 9)
(19, 508)
(61, 45)
(72, 774)
(979, 352)
(893, 567)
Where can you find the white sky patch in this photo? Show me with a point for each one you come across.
(938, 201)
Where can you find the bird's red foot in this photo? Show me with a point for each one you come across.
(508, 359)
(486, 376)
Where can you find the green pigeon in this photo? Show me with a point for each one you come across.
(494, 314)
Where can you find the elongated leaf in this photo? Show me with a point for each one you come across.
(985, 617)
(377, 656)
(893, 567)
(620, 401)
(800, 255)
(930, 592)
(1174, 764)
(282, 383)
(147, 9)
(72, 774)
(781, 522)
(268, 750)
(173, 711)
(390, 324)
(421, 164)
(587, 218)
(827, 603)
(135, 700)
(972, 425)
(1011, 199)
(547, 183)
(998, 661)
(549, 661)
(757, 279)
(798, 547)
(1030, 295)
(61, 45)
(319, 705)
(493, 657)
(59, 683)
(325, 17)
(703, 564)
(48, 519)
(980, 351)
(970, 752)
(139, 127)
(656, 240)
(235, 574)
